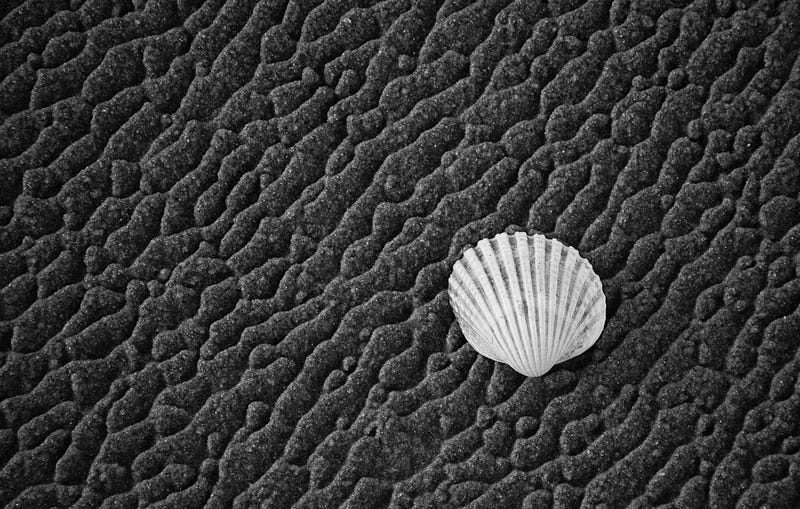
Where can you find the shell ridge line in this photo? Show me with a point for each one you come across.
(587, 330)
(572, 269)
(509, 279)
(521, 263)
(523, 288)
(552, 298)
(521, 306)
(555, 296)
(541, 296)
(580, 304)
(485, 282)
(500, 288)
(593, 314)
(472, 291)
(577, 289)
(536, 280)
(481, 316)
(464, 305)
(586, 296)
(561, 309)
(491, 262)
(467, 300)
(578, 329)
(580, 295)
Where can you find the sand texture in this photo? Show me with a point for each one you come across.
(226, 229)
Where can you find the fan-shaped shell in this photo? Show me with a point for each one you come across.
(527, 301)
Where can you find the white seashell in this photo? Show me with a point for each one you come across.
(527, 301)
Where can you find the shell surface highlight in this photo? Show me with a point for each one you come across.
(527, 301)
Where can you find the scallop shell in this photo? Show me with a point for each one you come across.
(527, 301)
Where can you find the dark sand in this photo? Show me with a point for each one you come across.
(226, 230)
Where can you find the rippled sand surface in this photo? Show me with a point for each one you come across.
(226, 229)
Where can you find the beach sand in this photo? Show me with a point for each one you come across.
(226, 230)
